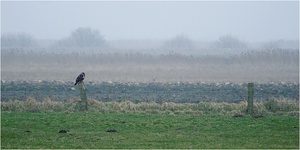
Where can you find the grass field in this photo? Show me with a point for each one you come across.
(89, 130)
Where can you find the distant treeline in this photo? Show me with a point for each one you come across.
(86, 37)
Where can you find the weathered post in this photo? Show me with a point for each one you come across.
(250, 99)
(83, 104)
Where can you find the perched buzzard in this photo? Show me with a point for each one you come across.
(80, 78)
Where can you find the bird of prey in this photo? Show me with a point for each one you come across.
(80, 78)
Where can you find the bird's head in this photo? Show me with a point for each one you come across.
(83, 73)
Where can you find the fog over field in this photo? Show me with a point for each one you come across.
(150, 41)
(253, 66)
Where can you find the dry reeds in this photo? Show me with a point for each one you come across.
(269, 107)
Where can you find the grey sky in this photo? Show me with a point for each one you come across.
(250, 21)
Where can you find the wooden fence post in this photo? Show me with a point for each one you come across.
(250, 99)
(83, 104)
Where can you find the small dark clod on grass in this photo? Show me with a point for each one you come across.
(111, 130)
(63, 131)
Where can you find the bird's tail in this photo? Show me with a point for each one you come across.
(75, 83)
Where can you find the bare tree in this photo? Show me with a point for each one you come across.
(179, 42)
(83, 37)
(229, 41)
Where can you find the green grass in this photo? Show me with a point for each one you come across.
(88, 130)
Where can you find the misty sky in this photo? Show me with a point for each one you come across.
(251, 21)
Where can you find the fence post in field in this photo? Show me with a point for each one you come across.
(83, 104)
(250, 99)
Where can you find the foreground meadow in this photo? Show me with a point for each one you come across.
(119, 130)
(35, 122)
